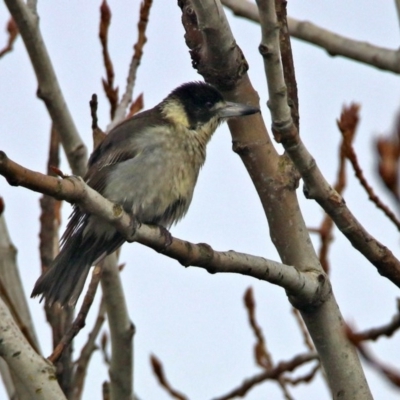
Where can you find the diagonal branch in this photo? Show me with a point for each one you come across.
(309, 286)
(337, 369)
(48, 87)
(318, 188)
(35, 373)
(347, 126)
(334, 44)
(80, 319)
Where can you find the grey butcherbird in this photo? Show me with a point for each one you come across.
(148, 164)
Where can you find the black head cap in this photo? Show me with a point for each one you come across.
(199, 100)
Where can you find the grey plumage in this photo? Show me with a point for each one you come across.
(149, 164)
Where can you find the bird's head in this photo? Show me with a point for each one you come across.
(198, 105)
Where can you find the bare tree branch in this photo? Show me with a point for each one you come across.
(261, 354)
(48, 88)
(347, 125)
(158, 370)
(340, 380)
(50, 219)
(80, 319)
(108, 83)
(121, 331)
(13, 294)
(137, 56)
(274, 373)
(86, 353)
(391, 374)
(334, 44)
(317, 186)
(12, 30)
(309, 287)
(35, 373)
(386, 330)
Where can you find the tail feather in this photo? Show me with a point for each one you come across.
(63, 282)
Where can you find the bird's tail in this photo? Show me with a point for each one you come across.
(63, 282)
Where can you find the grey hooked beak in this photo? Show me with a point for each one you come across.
(230, 109)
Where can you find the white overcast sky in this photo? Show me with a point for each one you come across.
(195, 322)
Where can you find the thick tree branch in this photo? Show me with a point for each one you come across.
(308, 287)
(317, 186)
(35, 373)
(13, 294)
(334, 44)
(275, 179)
(48, 87)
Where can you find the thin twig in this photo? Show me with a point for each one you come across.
(80, 319)
(385, 330)
(387, 372)
(136, 59)
(279, 369)
(108, 83)
(326, 228)
(388, 149)
(262, 356)
(306, 336)
(349, 114)
(304, 378)
(12, 30)
(158, 370)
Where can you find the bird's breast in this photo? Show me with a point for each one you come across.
(157, 184)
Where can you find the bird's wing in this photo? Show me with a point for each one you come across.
(116, 147)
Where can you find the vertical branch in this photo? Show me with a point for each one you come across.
(60, 319)
(121, 331)
(108, 84)
(136, 59)
(287, 61)
(345, 375)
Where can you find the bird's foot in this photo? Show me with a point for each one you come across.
(166, 235)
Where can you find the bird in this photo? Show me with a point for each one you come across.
(149, 165)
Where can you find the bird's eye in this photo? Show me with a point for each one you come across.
(209, 104)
